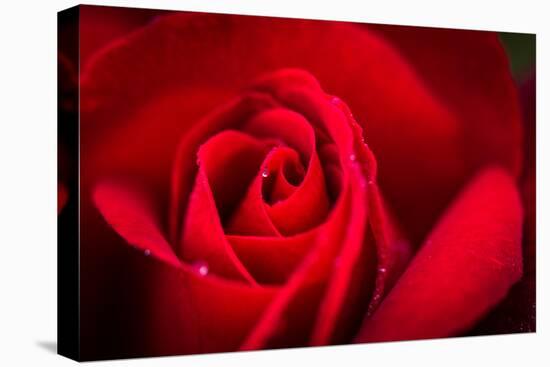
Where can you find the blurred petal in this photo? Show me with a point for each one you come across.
(517, 313)
(101, 25)
(469, 73)
(467, 265)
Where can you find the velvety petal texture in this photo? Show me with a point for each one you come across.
(467, 71)
(251, 208)
(517, 313)
(467, 265)
(292, 182)
(447, 108)
(101, 25)
(181, 289)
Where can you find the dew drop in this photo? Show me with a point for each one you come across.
(376, 298)
(147, 252)
(201, 268)
(352, 157)
(265, 173)
(382, 270)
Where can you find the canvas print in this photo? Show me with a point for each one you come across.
(236, 183)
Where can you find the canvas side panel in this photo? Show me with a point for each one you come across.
(68, 185)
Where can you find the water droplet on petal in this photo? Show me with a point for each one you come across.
(201, 268)
(376, 298)
(382, 270)
(352, 157)
(265, 173)
(147, 252)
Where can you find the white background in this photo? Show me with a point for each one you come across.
(28, 183)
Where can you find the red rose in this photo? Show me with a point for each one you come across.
(240, 156)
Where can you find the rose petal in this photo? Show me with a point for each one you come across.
(467, 265)
(132, 214)
(309, 204)
(467, 71)
(302, 210)
(272, 260)
(230, 115)
(517, 313)
(231, 160)
(289, 318)
(150, 134)
(185, 308)
(314, 292)
(393, 250)
(367, 266)
(186, 50)
(99, 26)
(287, 176)
(251, 217)
(195, 314)
(227, 162)
(287, 126)
(351, 279)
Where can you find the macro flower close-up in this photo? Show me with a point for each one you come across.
(253, 183)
